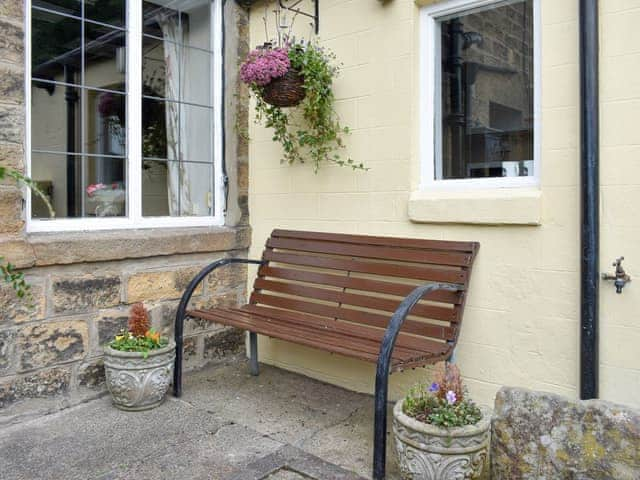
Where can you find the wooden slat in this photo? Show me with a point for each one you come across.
(369, 251)
(367, 301)
(405, 340)
(424, 244)
(355, 283)
(416, 272)
(313, 337)
(348, 314)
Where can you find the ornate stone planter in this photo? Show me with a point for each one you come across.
(138, 383)
(427, 452)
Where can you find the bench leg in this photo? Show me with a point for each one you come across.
(380, 422)
(253, 354)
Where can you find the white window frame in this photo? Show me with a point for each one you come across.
(430, 135)
(134, 218)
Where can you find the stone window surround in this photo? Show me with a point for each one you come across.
(495, 201)
(27, 250)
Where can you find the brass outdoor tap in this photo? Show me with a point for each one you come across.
(620, 278)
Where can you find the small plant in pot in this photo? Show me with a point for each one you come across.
(139, 364)
(440, 433)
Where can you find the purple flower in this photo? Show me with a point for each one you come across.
(262, 66)
(451, 397)
(434, 387)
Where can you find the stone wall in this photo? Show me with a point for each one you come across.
(84, 283)
(542, 435)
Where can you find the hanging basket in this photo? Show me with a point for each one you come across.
(285, 91)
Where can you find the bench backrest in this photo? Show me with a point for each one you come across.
(362, 279)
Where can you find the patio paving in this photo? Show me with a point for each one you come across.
(227, 425)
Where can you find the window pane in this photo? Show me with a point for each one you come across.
(70, 7)
(155, 189)
(105, 129)
(487, 92)
(158, 141)
(55, 114)
(154, 70)
(196, 133)
(55, 46)
(195, 84)
(80, 186)
(105, 57)
(196, 199)
(111, 12)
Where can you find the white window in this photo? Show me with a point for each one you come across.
(125, 113)
(479, 78)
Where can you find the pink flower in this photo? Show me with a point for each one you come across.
(451, 397)
(91, 189)
(262, 66)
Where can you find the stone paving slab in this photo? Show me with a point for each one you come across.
(280, 426)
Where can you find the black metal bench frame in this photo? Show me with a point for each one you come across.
(382, 370)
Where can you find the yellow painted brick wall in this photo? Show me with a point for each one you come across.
(620, 191)
(521, 324)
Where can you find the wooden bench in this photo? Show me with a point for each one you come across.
(396, 302)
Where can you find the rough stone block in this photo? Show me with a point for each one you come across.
(543, 435)
(11, 121)
(43, 384)
(11, 83)
(12, 9)
(12, 155)
(223, 300)
(226, 278)
(91, 375)
(7, 342)
(163, 316)
(164, 285)
(190, 352)
(10, 206)
(51, 343)
(11, 40)
(77, 295)
(18, 310)
(223, 342)
(111, 323)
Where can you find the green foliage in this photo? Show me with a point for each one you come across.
(313, 128)
(15, 279)
(7, 270)
(127, 342)
(425, 406)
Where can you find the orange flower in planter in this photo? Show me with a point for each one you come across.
(153, 336)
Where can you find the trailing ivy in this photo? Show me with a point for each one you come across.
(313, 129)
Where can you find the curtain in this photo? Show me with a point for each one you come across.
(172, 36)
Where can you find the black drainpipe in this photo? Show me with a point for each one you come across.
(590, 222)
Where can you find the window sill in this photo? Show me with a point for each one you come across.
(43, 249)
(508, 206)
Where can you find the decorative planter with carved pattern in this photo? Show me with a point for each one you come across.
(137, 382)
(429, 452)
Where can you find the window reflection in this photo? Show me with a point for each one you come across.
(487, 92)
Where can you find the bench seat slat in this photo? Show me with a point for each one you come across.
(355, 283)
(315, 336)
(373, 251)
(416, 272)
(329, 311)
(373, 302)
(404, 340)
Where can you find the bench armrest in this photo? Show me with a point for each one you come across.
(382, 371)
(182, 310)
